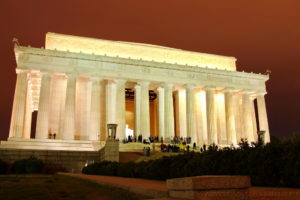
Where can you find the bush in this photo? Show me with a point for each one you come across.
(3, 167)
(276, 164)
(28, 166)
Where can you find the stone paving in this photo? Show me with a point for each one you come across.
(158, 189)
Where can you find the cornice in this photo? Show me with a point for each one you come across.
(104, 58)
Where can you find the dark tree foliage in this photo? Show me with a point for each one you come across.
(274, 164)
(31, 165)
(3, 167)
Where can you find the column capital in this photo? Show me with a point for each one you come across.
(20, 71)
(261, 93)
(168, 85)
(209, 88)
(96, 78)
(144, 83)
(120, 81)
(230, 90)
(249, 92)
(45, 74)
(189, 86)
(137, 86)
(71, 76)
(160, 88)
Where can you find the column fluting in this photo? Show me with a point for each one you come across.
(145, 114)
(137, 110)
(169, 112)
(121, 109)
(161, 112)
(211, 116)
(18, 112)
(94, 132)
(42, 124)
(230, 117)
(190, 113)
(262, 116)
(69, 114)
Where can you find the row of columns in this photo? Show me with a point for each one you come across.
(202, 123)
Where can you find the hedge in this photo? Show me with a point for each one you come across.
(3, 167)
(274, 164)
(31, 165)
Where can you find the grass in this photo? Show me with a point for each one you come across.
(44, 187)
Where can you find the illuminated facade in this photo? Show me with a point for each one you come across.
(77, 85)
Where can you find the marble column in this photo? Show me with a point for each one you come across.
(83, 108)
(220, 117)
(19, 106)
(161, 112)
(180, 112)
(211, 116)
(28, 110)
(57, 104)
(69, 114)
(247, 117)
(230, 117)
(252, 98)
(103, 108)
(169, 112)
(200, 116)
(137, 110)
(262, 116)
(121, 109)
(42, 124)
(190, 113)
(145, 114)
(111, 93)
(94, 132)
(238, 102)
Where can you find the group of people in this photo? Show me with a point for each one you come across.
(178, 140)
(156, 139)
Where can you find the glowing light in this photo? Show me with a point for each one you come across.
(129, 132)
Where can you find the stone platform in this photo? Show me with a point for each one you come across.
(158, 190)
(135, 146)
(51, 144)
(210, 187)
(71, 161)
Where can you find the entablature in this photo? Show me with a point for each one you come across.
(105, 66)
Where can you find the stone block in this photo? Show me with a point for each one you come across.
(209, 182)
(234, 194)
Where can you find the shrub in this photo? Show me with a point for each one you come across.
(28, 166)
(275, 164)
(3, 167)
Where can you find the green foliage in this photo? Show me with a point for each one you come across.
(28, 166)
(274, 164)
(3, 167)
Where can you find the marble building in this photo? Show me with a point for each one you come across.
(75, 86)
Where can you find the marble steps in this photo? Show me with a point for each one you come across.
(48, 144)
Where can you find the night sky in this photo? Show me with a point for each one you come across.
(261, 34)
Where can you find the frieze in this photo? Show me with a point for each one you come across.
(130, 71)
(73, 62)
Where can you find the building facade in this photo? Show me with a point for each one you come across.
(76, 86)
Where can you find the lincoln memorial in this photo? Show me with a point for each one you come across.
(68, 91)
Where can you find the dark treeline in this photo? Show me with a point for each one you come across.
(274, 164)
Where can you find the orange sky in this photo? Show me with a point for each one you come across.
(261, 34)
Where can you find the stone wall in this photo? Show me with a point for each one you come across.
(72, 161)
(210, 187)
(110, 152)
